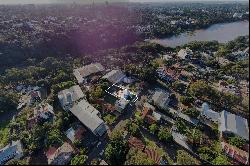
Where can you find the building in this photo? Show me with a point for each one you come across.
(209, 114)
(60, 156)
(84, 72)
(231, 123)
(136, 143)
(237, 154)
(75, 134)
(161, 99)
(103, 162)
(88, 116)
(114, 76)
(67, 97)
(185, 53)
(13, 150)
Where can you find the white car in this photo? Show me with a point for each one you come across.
(99, 143)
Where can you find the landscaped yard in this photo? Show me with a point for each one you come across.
(110, 119)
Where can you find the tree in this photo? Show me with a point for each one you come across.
(137, 157)
(184, 158)
(192, 112)
(117, 149)
(78, 160)
(17, 162)
(179, 87)
(186, 100)
(181, 126)
(194, 136)
(133, 128)
(94, 162)
(237, 141)
(220, 160)
(164, 135)
(153, 128)
(206, 153)
(54, 138)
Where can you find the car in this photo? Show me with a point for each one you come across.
(101, 153)
(99, 143)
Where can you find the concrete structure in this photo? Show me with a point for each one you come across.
(161, 99)
(82, 73)
(61, 156)
(114, 76)
(67, 97)
(13, 150)
(231, 123)
(88, 115)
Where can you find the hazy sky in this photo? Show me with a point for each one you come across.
(59, 1)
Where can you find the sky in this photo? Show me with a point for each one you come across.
(60, 1)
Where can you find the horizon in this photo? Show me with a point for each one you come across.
(90, 1)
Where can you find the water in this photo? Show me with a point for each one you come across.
(221, 32)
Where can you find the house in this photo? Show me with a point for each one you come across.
(237, 154)
(185, 53)
(231, 123)
(209, 114)
(60, 156)
(13, 150)
(161, 99)
(88, 116)
(67, 97)
(84, 72)
(75, 134)
(114, 76)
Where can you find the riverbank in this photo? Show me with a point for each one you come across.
(222, 32)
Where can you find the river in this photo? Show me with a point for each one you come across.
(223, 33)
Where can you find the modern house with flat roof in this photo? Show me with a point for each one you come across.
(88, 115)
(82, 73)
(231, 123)
(67, 97)
(13, 150)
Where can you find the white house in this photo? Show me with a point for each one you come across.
(231, 123)
(13, 150)
(88, 115)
